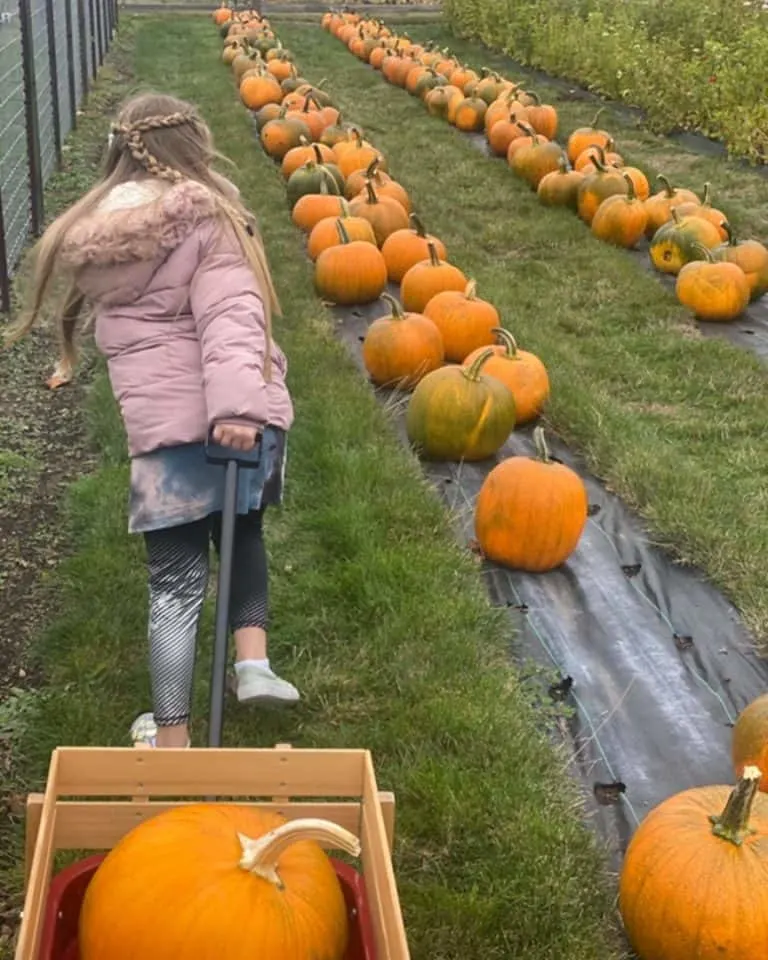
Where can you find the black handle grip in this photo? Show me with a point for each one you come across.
(219, 454)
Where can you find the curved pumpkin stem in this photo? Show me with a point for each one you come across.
(706, 253)
(631, 192)
(506, 340)
(470, 291)
(395, 307)
(371, 192)
(671, 191)
(418, 226)
(371, 171)
(707, 198)
(528, 130)
(434, 260)
(260, 856)
(342, 232)
(472, 372)
(318, 155)
(732, 242)
(598, 157)
(542, 449)
(593, 124)
(733, 823)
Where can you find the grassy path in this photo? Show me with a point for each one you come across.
(378, 616)
(674, 423)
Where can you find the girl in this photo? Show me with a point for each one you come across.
(164, 251)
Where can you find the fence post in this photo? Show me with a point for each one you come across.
(5, 267)
(83, 46)
(50, 25)
(92, 39)
(32, 117)
(97, 28)
(71, 61)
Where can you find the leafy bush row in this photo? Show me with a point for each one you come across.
(690, 65)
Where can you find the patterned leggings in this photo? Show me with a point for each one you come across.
(178, 561)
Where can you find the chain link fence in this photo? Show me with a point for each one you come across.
(50, 51)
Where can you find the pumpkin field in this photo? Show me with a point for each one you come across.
(526, 370)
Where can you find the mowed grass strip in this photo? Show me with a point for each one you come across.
(740, 191)
(378, 616)
(673, 422)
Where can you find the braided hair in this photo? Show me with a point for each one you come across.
(131, 138)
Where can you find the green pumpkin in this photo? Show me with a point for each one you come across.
(292, 83)
(458, 413)
(428, 82)
(311, 177)
(680, 241)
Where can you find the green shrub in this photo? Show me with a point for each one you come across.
(690, 65)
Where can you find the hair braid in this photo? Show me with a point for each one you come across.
(132, 136)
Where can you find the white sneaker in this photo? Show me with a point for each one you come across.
(261, 687)
(144, 730)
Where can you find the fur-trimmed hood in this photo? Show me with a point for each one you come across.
(117, 248)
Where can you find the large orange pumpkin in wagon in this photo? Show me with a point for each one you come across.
(530, 512)
(209, 881)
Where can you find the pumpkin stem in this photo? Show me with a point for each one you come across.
(729, 233)
(593, 125)
(371, 198)
(598, 157)
(670, 190)
(418, 226)
(434, 260)
(535, 97)
(540, 440)
(260, 856)
(397, 310)
(472, 372)
(371, 171)
(733, 823)
(318, 155)
(470, 291)
(342, 231)
(705, 252)
(631, 194)
(506, 339)
(707, 199)
(528, 130)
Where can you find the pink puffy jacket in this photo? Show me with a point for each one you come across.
(179, 315)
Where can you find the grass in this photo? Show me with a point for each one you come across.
(673, 422)
(378, 617)
(741, 192)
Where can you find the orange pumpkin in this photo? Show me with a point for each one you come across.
(355, 182)
(353, 272)
(521, 372)
(459, 413)
(464, 320)
(598, 186)
(401, 348)
(438, 100)
(749, 740)
(501, 108)
(560, 188)
(283, 135)
(680, 241)
(314, 207)
(297, 156)
(585, 137)
(535, 160)
(621, 219)
(751, 256)
(693, 883)
(385, 187)
(383, 213)
(530, 513)
(714, 290)
(706, 211)
(358, 156)
(504, 131)
(469, 114)
(326, 233)
(608, 157)
(405, 248)
(542, 117)
(258, 89)
(427, 278)
(659, 207)
(274, 875)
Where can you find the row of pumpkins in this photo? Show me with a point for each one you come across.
(529, 513)
(717, 276)
(693, 885)
(471, 382)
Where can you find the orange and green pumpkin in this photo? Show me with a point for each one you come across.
(401, 348)
(458, 413)
(681, 241)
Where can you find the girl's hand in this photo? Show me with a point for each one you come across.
(237, 436)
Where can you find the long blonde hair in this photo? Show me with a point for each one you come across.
(154, 135)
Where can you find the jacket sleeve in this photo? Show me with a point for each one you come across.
(229, 313)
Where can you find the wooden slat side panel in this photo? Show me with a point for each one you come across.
(379, 875)
(95, 772)
(28, 943)
(99, 826)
